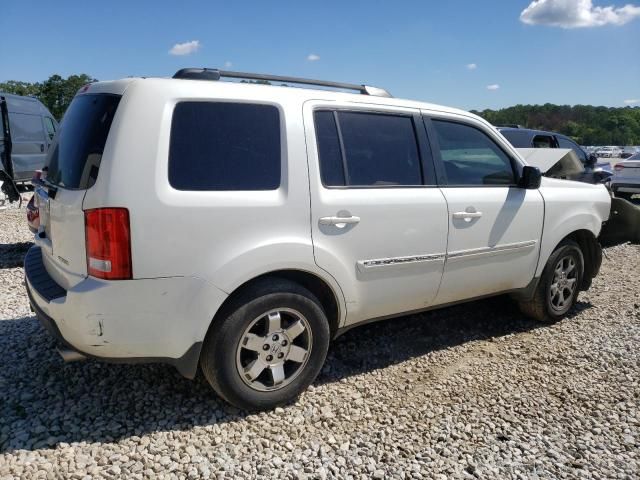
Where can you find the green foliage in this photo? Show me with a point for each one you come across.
(586, 124)
(55, 92)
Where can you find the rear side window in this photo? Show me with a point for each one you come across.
(367, 149)
(225, 146)
(518, 139)
(26, 128)
(75, 159)
(471, 157)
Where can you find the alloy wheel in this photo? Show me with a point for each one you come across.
(564, 283)
(274, 349)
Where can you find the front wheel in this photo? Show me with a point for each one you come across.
(559, 285)
(269, 346)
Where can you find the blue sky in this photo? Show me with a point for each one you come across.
(415, 49)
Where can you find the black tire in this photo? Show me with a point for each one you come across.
(543, 306)
(220, 348)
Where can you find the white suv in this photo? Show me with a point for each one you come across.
(242, 226)
(608, 152)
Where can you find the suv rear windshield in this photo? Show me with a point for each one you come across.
(74, 160)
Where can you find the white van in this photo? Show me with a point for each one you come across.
(240, 227)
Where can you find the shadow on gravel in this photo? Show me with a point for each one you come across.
(12, 254)
(44, 402)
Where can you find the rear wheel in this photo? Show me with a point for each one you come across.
(269, 346)
(559, 284)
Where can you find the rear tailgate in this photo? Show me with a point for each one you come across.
(72, 167)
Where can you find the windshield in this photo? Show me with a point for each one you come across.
(75, 158)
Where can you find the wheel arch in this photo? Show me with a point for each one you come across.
(591, 252)
(330, 299)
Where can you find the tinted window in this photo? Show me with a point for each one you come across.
(25, 127)
(75, 159)
(51, 128)
(518, 139)
(566, 143)
(332, 169)
(224, 146)
(377, 149)
(470, 157)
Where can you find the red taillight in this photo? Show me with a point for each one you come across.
(108, 242)
(618, 167)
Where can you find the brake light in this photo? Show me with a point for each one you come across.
(108, 243)
(618, 167)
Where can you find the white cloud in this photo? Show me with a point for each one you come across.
(186, 48)
(493, 86)
(312, 57)
(632, 101)
(228, 64)
(576, 14)
(471, 66)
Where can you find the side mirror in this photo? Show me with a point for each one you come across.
(591, 160)
(530, 178)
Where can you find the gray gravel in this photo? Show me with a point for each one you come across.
(473, 391)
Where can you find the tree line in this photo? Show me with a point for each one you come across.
(586, 124)
(55, 93)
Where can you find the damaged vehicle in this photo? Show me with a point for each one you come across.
(324, 210)
(624, 218)
(28, 129)
(593, 171)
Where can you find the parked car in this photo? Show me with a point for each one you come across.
(608, 152)
(626, 180)
(323, 210)
(594, 171)
(626, 153)
(28, 129)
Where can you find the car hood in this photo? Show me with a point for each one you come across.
(553, 162)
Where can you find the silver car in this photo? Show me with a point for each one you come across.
(626, 177)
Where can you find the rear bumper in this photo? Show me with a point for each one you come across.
(135, 321)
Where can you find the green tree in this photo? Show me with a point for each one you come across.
(56, 92)
(588, 125)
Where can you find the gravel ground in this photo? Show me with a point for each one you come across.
(473, 391)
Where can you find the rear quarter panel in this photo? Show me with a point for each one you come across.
(223, 237)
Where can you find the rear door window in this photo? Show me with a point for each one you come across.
(471, 157)
(367, 149)
(225, 146)
(75, 159)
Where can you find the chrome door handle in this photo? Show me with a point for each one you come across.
(339, 220)
(467, 214)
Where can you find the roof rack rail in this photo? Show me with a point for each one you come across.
(215, 74)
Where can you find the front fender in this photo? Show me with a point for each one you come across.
(570, 207)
